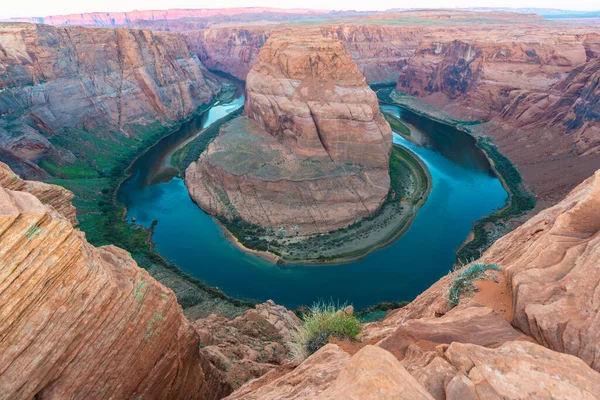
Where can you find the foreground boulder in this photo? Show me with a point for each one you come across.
(83, 322)
(311, 154)
(54, 195)
(250, 345)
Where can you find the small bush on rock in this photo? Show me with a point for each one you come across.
(463, 282)
(321, 322)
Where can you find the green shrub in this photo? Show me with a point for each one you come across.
(463, 282)
(321, 322)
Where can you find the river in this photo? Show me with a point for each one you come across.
(464, 190)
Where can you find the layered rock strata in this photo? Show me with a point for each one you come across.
(539, 97)
(250, 345)
(84, 322)
(54, 195)
(60, 87)
(534, 82)
(311, 154)
(379, 51)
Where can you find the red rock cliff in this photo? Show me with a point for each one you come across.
(57, 84)
(537, 87)
(85, 322)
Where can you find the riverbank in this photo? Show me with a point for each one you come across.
(486, 230)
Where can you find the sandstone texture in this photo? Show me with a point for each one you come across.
(250, 345)
(64, 90)
(308, 381)
(85, 322)
(535, 87)
(551, 263)
(54, 195)
(374, 373)
(311, 154)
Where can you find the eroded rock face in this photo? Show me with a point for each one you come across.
(551, 263)
(312, 153)
(307, 91)
(54, 195)
(85, 322)
(308, 381)
(518, 370)
(250, 345)
(374, 373)
(72, 84)
(379, 51)
(540, 97)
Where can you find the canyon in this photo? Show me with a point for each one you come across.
(312, 149)
(536, 320)
(81, 321)
(83, 318)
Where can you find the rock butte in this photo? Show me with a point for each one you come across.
(311, 153)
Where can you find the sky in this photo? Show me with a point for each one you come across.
(42, 8)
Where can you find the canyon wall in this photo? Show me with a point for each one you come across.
(539, 96)
(86, 322)
(68, 92)
(311, 154)
(520, 75)
(379, 51)
(530, 331)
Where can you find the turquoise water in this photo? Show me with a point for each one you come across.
(464, 190)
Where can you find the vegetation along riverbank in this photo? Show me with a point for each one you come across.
(520, 200)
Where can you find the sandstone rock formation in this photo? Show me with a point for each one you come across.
(379, 51)
(250, 345)
(85, 322)
(312, 153)
(63, 90)
(54, 195)
(551, 263)
(308, 381)
(374, 373)
(537, 95)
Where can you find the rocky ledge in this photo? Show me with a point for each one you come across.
(311, 153)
